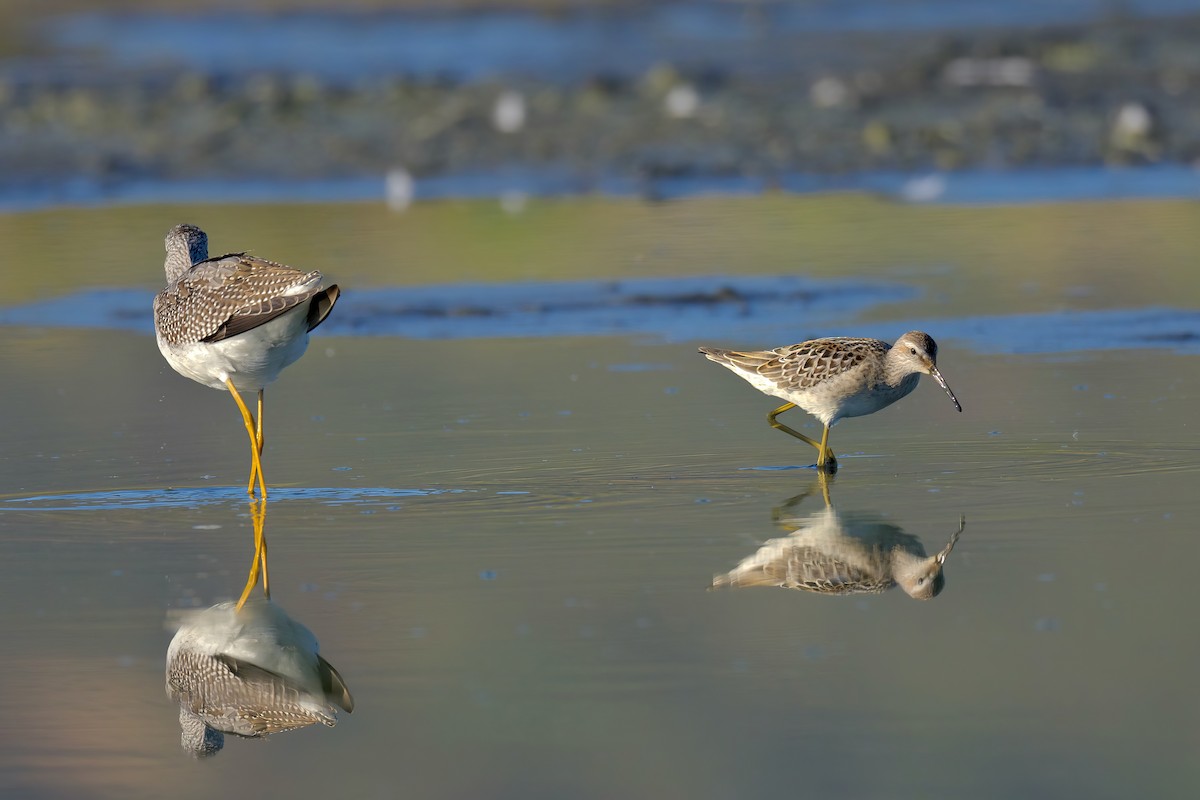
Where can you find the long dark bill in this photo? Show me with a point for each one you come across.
(937, 376)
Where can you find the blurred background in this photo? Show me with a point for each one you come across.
(502, 480)
(147, 101)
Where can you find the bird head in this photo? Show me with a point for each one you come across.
(185, 245)
(918, 351)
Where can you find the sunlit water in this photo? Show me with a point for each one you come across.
(505, 543)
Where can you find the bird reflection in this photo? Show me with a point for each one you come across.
(249, 669)
(828, 552)
(258, 566)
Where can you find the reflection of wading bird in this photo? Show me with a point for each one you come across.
(258, 518)
(248, 668)
(835, 378)
(251, 672)
(831, 553)
(235, 321)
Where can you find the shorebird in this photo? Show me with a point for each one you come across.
(250, 672)
(235, 321)
(835, 378)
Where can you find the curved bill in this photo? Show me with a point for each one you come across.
(937, 376)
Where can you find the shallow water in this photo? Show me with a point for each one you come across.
(505, 543)
(514, 186)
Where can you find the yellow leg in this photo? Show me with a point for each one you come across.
(255, 461)
(259, 441)
(258, 516)
(825, 457)
(260, 418)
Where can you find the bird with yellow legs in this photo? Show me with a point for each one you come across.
(234, 322)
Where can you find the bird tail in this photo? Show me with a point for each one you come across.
(737, 359)
(321, 304)
(716, 354)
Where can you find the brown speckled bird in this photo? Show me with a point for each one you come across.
(235, 321)
(835, 378)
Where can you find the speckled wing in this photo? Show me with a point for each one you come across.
(232, 294)
(807, 568)
(237, 697)
(799, 367)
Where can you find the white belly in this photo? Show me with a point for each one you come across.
(251, 359)
(847, 395)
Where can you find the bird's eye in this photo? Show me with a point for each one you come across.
(912, 350)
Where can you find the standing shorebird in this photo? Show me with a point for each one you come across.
(235, 321)
(249, 671)
(835, 378)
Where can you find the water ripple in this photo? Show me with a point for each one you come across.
(196, 497)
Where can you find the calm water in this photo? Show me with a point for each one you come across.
(504, 543)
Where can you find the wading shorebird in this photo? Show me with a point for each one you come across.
(835, 378)
(235, 321)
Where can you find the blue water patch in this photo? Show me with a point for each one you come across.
(965, 187)
(752, 310)
(520, 181)
(671, 308)
(196, 497)
(1174, 329)
(674, 309)
(763, 37)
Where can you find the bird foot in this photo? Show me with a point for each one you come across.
(830, 466)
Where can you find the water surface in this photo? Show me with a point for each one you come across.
(505, 542)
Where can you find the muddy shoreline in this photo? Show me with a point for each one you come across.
(1120, 91)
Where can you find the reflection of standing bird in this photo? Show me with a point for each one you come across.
(235, 321)
(834, 554)
(252, 672)
(835, 378)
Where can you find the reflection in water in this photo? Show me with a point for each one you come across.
(832, 553)
(249, 668)
(258, 517)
